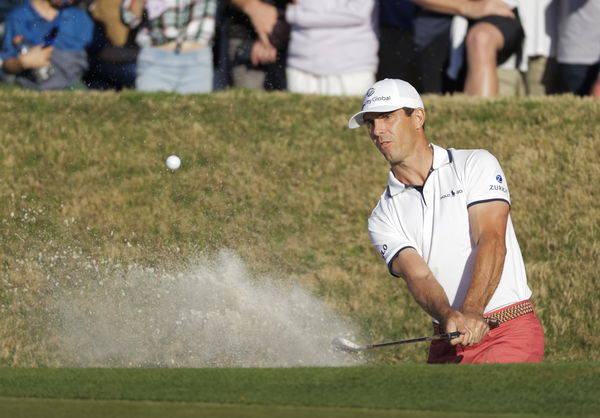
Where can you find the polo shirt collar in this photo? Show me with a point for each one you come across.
(441, 157)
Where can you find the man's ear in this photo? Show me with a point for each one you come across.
(418, 118)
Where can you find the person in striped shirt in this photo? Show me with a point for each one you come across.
(176, 38)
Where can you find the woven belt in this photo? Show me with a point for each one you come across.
(512, 312)
(496, 318)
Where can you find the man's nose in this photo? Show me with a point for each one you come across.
(378, 127)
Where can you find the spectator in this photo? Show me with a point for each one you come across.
(397, 55)
(113, 52)
(432, 45)
(58, 63)
(5, 7)
(539, 57)
(175, 37)
(491, 32)
(333, 46)
(578, 53)
(247, 59)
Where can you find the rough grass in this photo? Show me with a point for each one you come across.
(282, 181)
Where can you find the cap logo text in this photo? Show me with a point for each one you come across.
(375, 99)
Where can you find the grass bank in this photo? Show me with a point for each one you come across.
(551, 389)
(279, 179)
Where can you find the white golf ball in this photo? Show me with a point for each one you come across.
(173, 162)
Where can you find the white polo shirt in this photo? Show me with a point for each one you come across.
(436, 223)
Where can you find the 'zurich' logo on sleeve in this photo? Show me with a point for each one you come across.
(499, 178)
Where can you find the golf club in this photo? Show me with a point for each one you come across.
(350, 347)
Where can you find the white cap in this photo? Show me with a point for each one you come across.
(386, 96)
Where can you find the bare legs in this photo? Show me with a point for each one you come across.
(483, 42)
(596, 88)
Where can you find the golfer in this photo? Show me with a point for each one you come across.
(443, 224)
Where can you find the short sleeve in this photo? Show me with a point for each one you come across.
(485, 179)
(387, 236)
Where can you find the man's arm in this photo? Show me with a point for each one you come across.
(429, 294)
(262, 15)
(473, 9)
(488, 231)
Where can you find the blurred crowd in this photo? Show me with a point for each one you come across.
(330, 47)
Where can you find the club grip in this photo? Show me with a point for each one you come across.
(449, 335)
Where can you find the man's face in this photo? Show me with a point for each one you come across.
(392, 134)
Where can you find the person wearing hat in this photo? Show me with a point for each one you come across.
(443, 225)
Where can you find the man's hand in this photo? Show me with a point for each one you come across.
(262, 15)
(36, 57)
(472, 327)
(262, 54)
(476, 9)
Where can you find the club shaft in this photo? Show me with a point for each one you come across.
(447, 336)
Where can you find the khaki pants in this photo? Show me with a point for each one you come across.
(511, 83)
(539, 80)
(542, 77)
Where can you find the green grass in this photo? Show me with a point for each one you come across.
(279, 179)
(550, 389)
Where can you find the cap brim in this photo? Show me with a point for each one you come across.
(357, 120)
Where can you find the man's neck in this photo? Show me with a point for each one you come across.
(45, 9)
(416, 169)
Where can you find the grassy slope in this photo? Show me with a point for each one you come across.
(67, 408)
(558, 388)
(278, 178)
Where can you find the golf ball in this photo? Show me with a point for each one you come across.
(173, 162)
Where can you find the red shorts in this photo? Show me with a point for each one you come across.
(519, 340)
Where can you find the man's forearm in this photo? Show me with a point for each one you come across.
(473, 9)
(487, 270)
(430, 295)
(422, 284)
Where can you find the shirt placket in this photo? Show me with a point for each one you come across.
(428, 211)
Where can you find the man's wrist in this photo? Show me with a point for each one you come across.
(445, 314)
(474, 308)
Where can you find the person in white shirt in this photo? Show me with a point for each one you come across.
(333, 46)
(578, 51)
(443, 224)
